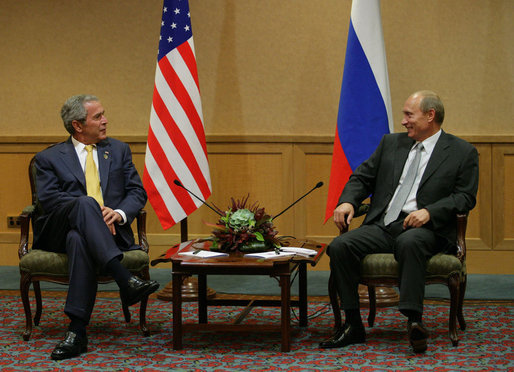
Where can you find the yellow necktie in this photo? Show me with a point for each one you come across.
(92, 178)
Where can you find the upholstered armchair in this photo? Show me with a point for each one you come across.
(381, 269)
(38, 265)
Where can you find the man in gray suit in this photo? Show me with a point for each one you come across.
(418, 181)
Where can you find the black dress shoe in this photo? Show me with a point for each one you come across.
(346, 335)
(73, 345)
(137, 289)
(418, 336)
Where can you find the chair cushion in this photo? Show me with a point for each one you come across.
(379, 265)
(40, 262)
(135, 260)
(443, 265)
(384, 265)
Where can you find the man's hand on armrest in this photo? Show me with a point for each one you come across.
(343, 215)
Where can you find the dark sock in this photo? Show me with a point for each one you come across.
(412, 315)
(120, 274)
(353, 316)
(78, 326)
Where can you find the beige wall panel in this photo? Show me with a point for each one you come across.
(9, 253)
(490, 262)
(508, 197)
(503, 197)
(263, 171)
(312, 165)
(316, 161)
(318, 169)
(15, 190)
(479, 229)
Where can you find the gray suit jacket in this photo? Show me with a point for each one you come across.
(448, 186)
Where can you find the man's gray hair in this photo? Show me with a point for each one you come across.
(73, 109)
(431, 101)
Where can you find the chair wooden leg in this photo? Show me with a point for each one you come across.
(372, 305)
(462, 292)
(145, 274)
(24, 291)
(126, 312)
(334, 301)
(453, 286)
(142, 317)
(39, 302)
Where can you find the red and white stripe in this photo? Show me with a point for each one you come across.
(176, 147)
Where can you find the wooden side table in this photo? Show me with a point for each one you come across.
(237, 264)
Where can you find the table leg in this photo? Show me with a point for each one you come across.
(302, 284)
(285, 285)
(177, 311)
(202, 298)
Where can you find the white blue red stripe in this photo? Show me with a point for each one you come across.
(365, 105)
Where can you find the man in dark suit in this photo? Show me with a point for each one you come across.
(89, 195)
(411, 214)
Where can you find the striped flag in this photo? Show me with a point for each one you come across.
(176, 146)
(365, 104)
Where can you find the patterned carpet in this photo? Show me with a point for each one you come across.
(486, 345)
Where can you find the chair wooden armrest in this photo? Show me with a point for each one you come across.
(24, 219)
(141, 231)
(462, 222)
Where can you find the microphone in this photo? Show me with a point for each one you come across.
(318, 185)
(178, 183)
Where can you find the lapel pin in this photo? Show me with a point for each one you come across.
(106, 155)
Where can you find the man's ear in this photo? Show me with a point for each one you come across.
(77, 125)
(431, 115)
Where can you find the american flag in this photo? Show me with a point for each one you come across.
(176, 146)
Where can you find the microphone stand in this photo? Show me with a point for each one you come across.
(318, 185)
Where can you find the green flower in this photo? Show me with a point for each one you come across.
(241, 218)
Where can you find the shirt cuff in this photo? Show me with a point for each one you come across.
(123, 215)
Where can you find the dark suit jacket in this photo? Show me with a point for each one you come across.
(448, 186)
(60, 179)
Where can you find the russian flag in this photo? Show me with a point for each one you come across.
(365, 104)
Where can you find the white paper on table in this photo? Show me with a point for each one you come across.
(203, 254)
(271, 254)
(301, 251)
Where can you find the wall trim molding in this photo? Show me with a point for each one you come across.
(241, 138)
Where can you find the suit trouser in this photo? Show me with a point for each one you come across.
(411, 248)
(78, 229)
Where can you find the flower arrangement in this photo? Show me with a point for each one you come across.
(244, 229)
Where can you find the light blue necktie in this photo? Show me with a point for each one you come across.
(405, 188)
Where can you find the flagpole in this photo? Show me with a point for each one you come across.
(183, 230)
